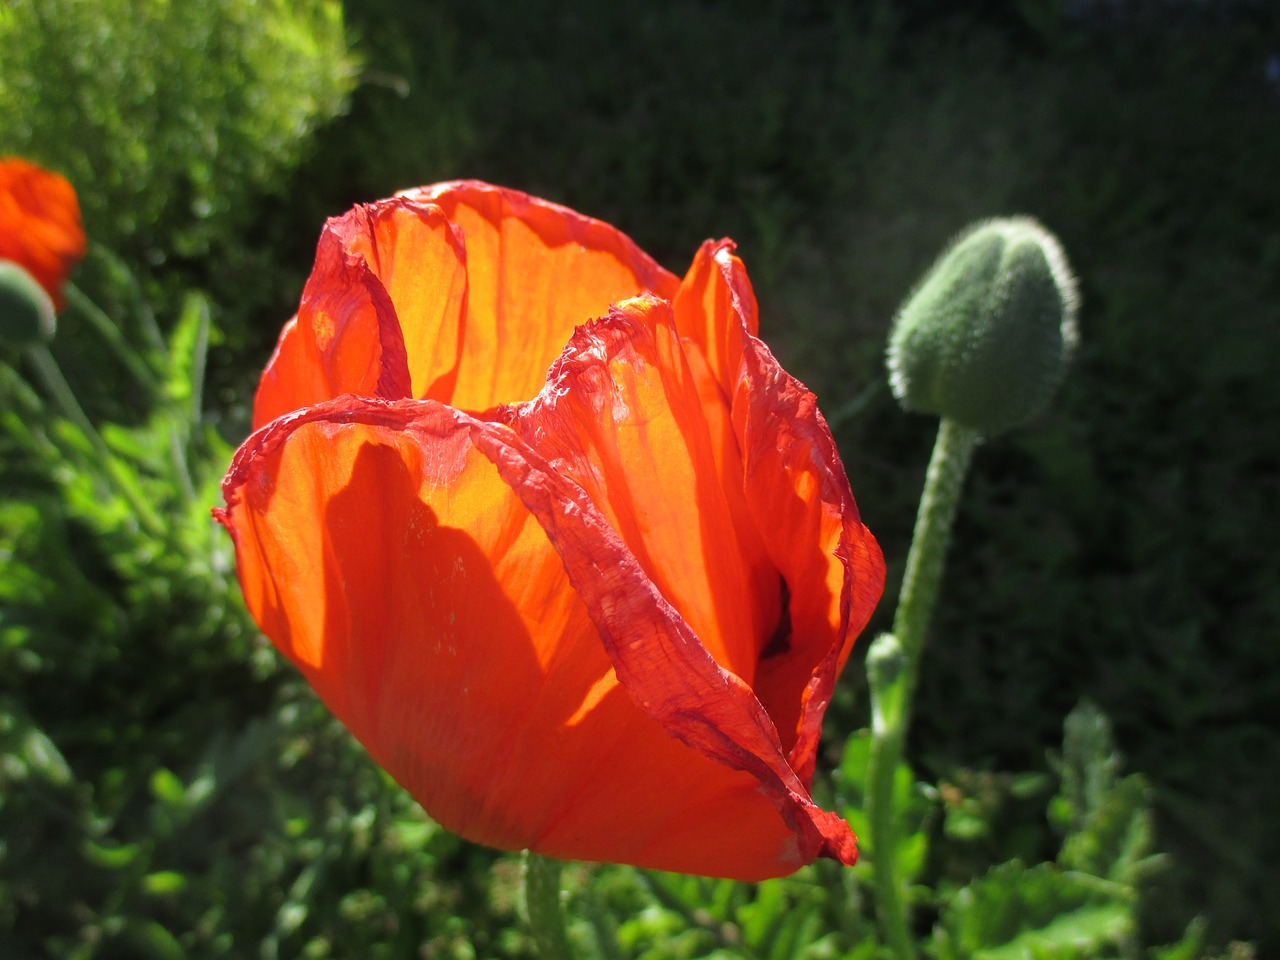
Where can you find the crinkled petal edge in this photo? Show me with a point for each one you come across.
(658, 659)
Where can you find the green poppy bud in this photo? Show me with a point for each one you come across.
(985, 337)
(26, 312)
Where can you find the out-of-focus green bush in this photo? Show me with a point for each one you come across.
(170, 116)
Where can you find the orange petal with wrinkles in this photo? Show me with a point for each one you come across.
(535, 270)
(345, 339)
(717, 312)
(622, 417)
(381, 314)
(381, 545)
(381, 553)
(799, 499)
(419, 257)
(675, 680)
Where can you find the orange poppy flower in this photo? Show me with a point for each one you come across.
(40, 224)
(554, 535)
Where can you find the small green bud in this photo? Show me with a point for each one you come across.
(886, 664)
(26, 312)
(885, 660)
(985, 337)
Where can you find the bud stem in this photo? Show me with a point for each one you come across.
(55, 383)
(952, 453)
(897, 658)
(543, 908)
(110, 333)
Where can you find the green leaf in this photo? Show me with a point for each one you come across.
(799, 927)
(155, 941)
(43, 757)
(1084, 930)
(110, 857)
(1015, 912)
(188, 351)
(1109, 833)
(164, 882)
(1190, 947)
(168, 789)
(1090, 764)
(851, 780)
(1115, 839)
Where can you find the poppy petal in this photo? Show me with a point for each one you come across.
(345, 339)
(717, 311)
(799, 498)
(419, 257)
(799, 493)
(380, 553)
(535, 271)
(384, 556)
(665, 668)
(40, 227)
(622, 417)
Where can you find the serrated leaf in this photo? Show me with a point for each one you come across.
(913, 849)
(725, 896)
(1190, 947)
(1082, 932)
(1089, 763)
(188, 349)
(851, 779)
(869, 949)
(759, 919)
(1116, 838)
(800, 926)
(1018, 912)
(1108, 819)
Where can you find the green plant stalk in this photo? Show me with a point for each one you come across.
(943, 483)
(144, 313)
(181, 432)
(110, 333)
(893, 663)
(543, 908)
(51, 377)
(886, 678)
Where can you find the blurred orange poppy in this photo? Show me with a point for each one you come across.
(554, 535)
(40, 224)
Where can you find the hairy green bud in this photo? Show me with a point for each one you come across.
(26, 312)
(985, 338)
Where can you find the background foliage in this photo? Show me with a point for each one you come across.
(172, 118)
(167, 789)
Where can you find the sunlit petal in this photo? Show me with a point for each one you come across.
(346, 338)
(535, 270)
